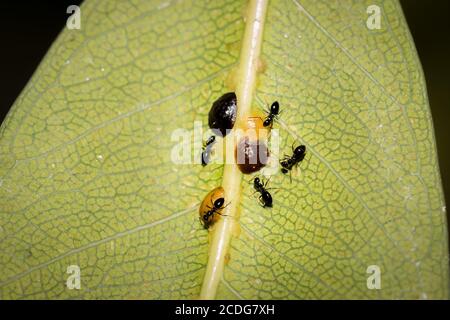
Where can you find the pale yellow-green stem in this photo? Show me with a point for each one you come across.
(232, 176)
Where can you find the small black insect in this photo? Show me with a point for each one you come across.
(206, 153)
(288, 162)
(274, 111)
(265, 199)
(222, 115)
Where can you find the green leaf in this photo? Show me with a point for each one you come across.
(86, 176)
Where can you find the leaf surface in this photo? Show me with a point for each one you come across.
(86, 176)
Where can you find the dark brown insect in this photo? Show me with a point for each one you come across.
(222, 115)
(251, 155)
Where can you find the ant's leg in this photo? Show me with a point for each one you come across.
(225, 215)
(254, 193)
(267, 181)
(275, 116)
(261, 202)
(226, 205)
(297, 166)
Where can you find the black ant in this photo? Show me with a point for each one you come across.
(274, 111)
(265, 199)
(206, 153)
(287, 163)
(208, 216)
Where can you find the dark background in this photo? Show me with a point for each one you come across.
(27, 31)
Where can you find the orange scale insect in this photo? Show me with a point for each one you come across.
(212, 206)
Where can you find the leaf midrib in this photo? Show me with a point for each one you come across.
(232, 176)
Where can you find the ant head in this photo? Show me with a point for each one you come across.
(257, 181)
(275, 107)
(219, 203)
(300, 150)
